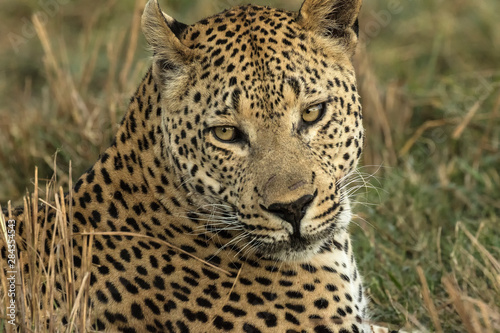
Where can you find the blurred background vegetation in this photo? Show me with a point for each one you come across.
(427, 231)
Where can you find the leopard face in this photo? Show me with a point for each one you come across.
(264, 123)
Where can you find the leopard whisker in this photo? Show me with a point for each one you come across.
(246, 245)
(363, 219)
(232, 243)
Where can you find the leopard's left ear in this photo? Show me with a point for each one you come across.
(170, 55)
(333, 18)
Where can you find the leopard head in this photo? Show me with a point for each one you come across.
(262, 119)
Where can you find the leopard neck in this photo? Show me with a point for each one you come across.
(138, 163)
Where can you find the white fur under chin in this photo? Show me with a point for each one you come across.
(312, 251)
(291, 256)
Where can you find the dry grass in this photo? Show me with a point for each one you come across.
(429, 80)
(35, 310)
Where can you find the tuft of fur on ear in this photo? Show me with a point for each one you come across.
(332, 18)
(162, 34)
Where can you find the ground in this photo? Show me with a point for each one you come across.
(429, 79)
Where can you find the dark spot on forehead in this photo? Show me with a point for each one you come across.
(235, 97)
(294, 83)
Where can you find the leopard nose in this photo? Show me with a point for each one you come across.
(292, 212)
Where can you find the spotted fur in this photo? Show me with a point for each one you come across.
(268, 212)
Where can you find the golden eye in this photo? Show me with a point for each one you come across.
(314, 113)
(225, 133)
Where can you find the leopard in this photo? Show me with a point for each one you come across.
(222, 204)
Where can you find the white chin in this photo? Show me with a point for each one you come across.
(290, 255)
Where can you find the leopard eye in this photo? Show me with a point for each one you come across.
(314, 113)
(225, 133)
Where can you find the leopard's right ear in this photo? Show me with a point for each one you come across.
(162, 33)
(336, 19)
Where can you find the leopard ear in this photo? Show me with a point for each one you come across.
(333, 18)
(162, 33)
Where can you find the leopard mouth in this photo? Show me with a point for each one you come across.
(224, 221)
(297, 247)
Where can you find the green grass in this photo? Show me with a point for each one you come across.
(429, 79)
